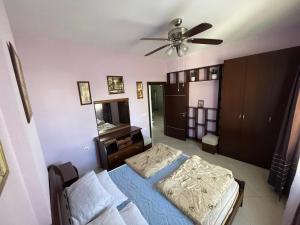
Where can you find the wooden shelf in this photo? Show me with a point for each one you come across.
(210, 120)
(203, 80)
(196, 122)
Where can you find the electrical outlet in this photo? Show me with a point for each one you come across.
(86, 148)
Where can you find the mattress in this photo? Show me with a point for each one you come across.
(156, 209)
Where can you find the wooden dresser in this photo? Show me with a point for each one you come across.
(117, 146)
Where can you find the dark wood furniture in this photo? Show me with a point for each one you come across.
(60, 209)
(254, 95)
(69, 173)
(209, 148)
(177, 95)
(176, 101)
(193, 116)
(207, 73)
(117, 146)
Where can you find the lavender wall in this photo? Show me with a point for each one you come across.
(25, 197)
(65, 127)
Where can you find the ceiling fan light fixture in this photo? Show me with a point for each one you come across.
(178, 36)
(170, 51)
(182, 49)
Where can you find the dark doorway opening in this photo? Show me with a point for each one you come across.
(156, 106)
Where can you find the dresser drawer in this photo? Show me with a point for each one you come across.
(131, 150)
(115, 160)
(118, 158)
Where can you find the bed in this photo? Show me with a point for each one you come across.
(156, 209)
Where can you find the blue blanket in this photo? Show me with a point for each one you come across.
(156, 209)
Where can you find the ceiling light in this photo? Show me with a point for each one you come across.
(184, 48)
(170, 51)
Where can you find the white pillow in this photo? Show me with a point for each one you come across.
(87, 198)
(111, 188)
(132, 215)
(110, 216)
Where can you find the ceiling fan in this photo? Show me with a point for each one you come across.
(178, 36)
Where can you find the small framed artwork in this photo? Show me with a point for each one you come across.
(84, 92)
(115, 84)
(3, 169)
(200, 103)
(139, 89)
(16, 62)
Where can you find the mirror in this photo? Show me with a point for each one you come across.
(112, 115)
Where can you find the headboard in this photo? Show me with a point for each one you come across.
(60, 210)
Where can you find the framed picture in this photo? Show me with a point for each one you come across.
(16, 62)
(139, 89)
(3, 169)
(84, 92)
(200, 103)
(115, 84)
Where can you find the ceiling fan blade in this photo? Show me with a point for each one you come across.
(155, 39)
(197, 29)
(157, 49)
(205, 41)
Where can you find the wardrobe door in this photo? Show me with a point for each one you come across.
(232, 94)
(176, 102)
(258, 95)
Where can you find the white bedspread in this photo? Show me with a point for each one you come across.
(196, 187)
(153, 160)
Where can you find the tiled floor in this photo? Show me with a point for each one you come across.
(261, 205)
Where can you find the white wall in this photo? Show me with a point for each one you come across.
(25, 197)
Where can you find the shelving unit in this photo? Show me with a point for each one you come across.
(206, 73)
(200, 74)
(193, 118)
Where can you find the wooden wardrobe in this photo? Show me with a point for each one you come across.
(254, 94)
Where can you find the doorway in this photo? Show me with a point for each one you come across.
(156, 104)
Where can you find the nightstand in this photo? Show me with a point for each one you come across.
(69, 173)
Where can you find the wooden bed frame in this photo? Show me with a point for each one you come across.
(61, 212)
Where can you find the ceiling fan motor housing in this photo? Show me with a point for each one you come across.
(176, 34)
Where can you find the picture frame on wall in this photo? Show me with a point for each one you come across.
(139, 89)
(84, 92)
(4, 171)
(200, 103)
(16, 62)
(115, 85)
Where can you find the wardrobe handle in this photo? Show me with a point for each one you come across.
(240, 116)
(270, 119)
(243, 116)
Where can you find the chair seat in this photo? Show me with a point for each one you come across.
(210, 139)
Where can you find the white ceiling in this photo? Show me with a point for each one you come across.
(119, 24)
